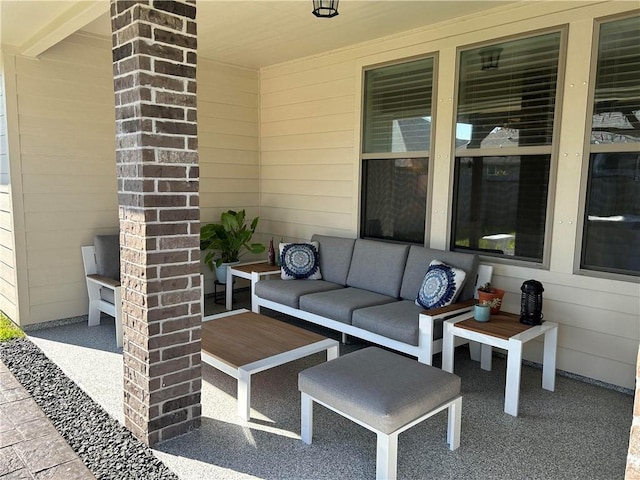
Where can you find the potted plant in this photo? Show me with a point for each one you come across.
(226, 242)
(483, 309)
(487, 293)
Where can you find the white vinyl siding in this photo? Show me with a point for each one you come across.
(67, 185)
(67, 158)
(599, 319)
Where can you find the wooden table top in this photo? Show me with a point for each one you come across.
(261, 267)
(247, 337)
(502, 325)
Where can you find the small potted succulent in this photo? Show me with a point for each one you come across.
(482, 310)
(487, 293)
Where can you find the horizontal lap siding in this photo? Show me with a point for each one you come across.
(8, 289)
(67, 145)
(309, 181)
(307, 151)
(228, 143)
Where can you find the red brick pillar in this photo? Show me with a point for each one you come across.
(154, 71)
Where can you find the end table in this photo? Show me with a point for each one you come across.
(503, 330)
(251, 271)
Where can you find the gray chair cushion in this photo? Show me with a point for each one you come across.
(340, 304)
(418, 262)
(108, 255)
(381, 389)
(397, 320)
(288, 292)
(335, 257)
(378, 266)
(107, 295)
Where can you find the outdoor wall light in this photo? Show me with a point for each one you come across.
(325, 8)
(490, 57)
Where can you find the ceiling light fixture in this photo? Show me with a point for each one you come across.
(325, 8)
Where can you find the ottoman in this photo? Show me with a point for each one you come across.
(384, 392)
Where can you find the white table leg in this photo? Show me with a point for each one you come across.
(306, 427)
(447, 348)
(255, 278)
(333, 353)
(549, 359)
(512, 388)
(244, 394)
(387, 456)
(454, 423)
(486, 357)
(228, 290)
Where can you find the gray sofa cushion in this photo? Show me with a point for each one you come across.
(397, 320)
(418, 262)
(335, 257)
(340, 304)
(288, 292)
(378, 267)
(381, 389)
(108, 255)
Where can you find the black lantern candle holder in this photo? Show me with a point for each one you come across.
(325, 8)
(531, 303)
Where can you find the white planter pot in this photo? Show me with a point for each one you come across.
(221, 271)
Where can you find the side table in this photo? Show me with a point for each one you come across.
(503, 330)
(251, 271)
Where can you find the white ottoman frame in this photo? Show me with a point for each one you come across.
(387, 450)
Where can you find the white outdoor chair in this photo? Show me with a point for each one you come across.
(102, 272)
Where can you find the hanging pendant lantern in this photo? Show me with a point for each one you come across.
(490, 57)
(325, 8)
(531, 303)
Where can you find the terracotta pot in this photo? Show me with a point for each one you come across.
(494, 293)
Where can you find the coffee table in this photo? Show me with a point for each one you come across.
(241, 343)
(503, 330)
(251, 271)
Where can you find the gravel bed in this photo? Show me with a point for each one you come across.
(106, 447)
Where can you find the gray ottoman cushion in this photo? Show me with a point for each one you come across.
(381, 389)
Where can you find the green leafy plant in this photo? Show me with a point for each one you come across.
(8, 330)
(229, 240)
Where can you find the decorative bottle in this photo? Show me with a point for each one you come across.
(271, 260)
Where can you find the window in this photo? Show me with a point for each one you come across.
(611, 232)
(504, 135)
(395, 150)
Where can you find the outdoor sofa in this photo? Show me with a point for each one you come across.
(368, 290)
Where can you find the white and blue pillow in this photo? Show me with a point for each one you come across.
(441, 285)
(300, 261)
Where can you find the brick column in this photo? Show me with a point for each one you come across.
(154, 71)
(633, 457)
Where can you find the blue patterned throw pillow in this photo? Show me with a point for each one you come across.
(441, 285)
(300, 260)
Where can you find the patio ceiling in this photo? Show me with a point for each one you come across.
(252, 34)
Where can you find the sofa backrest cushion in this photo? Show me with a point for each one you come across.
(335, 257)
(377, 266)
(107, 255)
(418, 263)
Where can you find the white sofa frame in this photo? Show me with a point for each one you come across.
(426, 348)
(97, 304)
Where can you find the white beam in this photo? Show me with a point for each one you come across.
(64, 25)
